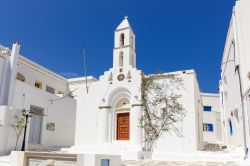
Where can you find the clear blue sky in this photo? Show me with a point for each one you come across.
(170, 34)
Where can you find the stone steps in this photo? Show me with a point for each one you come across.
(5, 161)
(127, 151)
(42, 148)
(178, 163)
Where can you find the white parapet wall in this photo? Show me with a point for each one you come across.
(5, 116)
(2, 114)
(18, 158)
(98, 160)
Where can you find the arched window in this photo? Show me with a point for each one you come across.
(121, 59)
(122, 39)
(20, 77)
(230, 127)
(122, 105)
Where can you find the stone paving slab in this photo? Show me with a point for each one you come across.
(178, 163)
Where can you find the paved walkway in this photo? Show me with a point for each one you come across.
(202, 158)
(178, 163)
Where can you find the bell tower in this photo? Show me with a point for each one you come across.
(124, 55)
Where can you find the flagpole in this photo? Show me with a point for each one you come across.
(85, 68)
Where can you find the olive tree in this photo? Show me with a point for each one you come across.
(18, 125)
(162, 107)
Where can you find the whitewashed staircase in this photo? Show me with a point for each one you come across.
(126, 150)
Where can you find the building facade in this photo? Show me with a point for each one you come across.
(235, 78)
(27, 85)
(212, 131)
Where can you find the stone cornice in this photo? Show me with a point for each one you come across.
(108, 107)
(40, 69)
(137, 105)
(122, 29)
(122, 47)
(105, 107)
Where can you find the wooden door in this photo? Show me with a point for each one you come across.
(123, 126)
(35, 130)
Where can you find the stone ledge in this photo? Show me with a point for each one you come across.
(139, 104)
(103, 107)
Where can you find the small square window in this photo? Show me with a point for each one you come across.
(204, 127)
(104, 162)
(20, 77)
(208, 127)
(50, 89)
(38, 84)
(60, 93)
(230, 127)
(207, 108)
(50, 126)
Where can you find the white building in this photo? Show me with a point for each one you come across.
(89, 122)
(27, 85)
(116, 97)
(235, 78)
(212, 131)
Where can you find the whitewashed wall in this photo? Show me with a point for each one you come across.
(5, 114)
(230, 96)
(62, 111)
(102, 93)
(241, 30)
(241, 27)
(2, 62)
(2, 72)
(213, 117)
(93, 126)
(34, 72)
(4, 76)
(236, 53)
(190, 139)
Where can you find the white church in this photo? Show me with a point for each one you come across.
(100, 115)
(108, 114)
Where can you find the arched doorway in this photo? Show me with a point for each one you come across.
(122, 114)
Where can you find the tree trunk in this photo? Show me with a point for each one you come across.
(17, 138)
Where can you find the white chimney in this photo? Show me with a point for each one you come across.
(14, 55)
(13, 71)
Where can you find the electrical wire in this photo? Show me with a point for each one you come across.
(225, 63)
